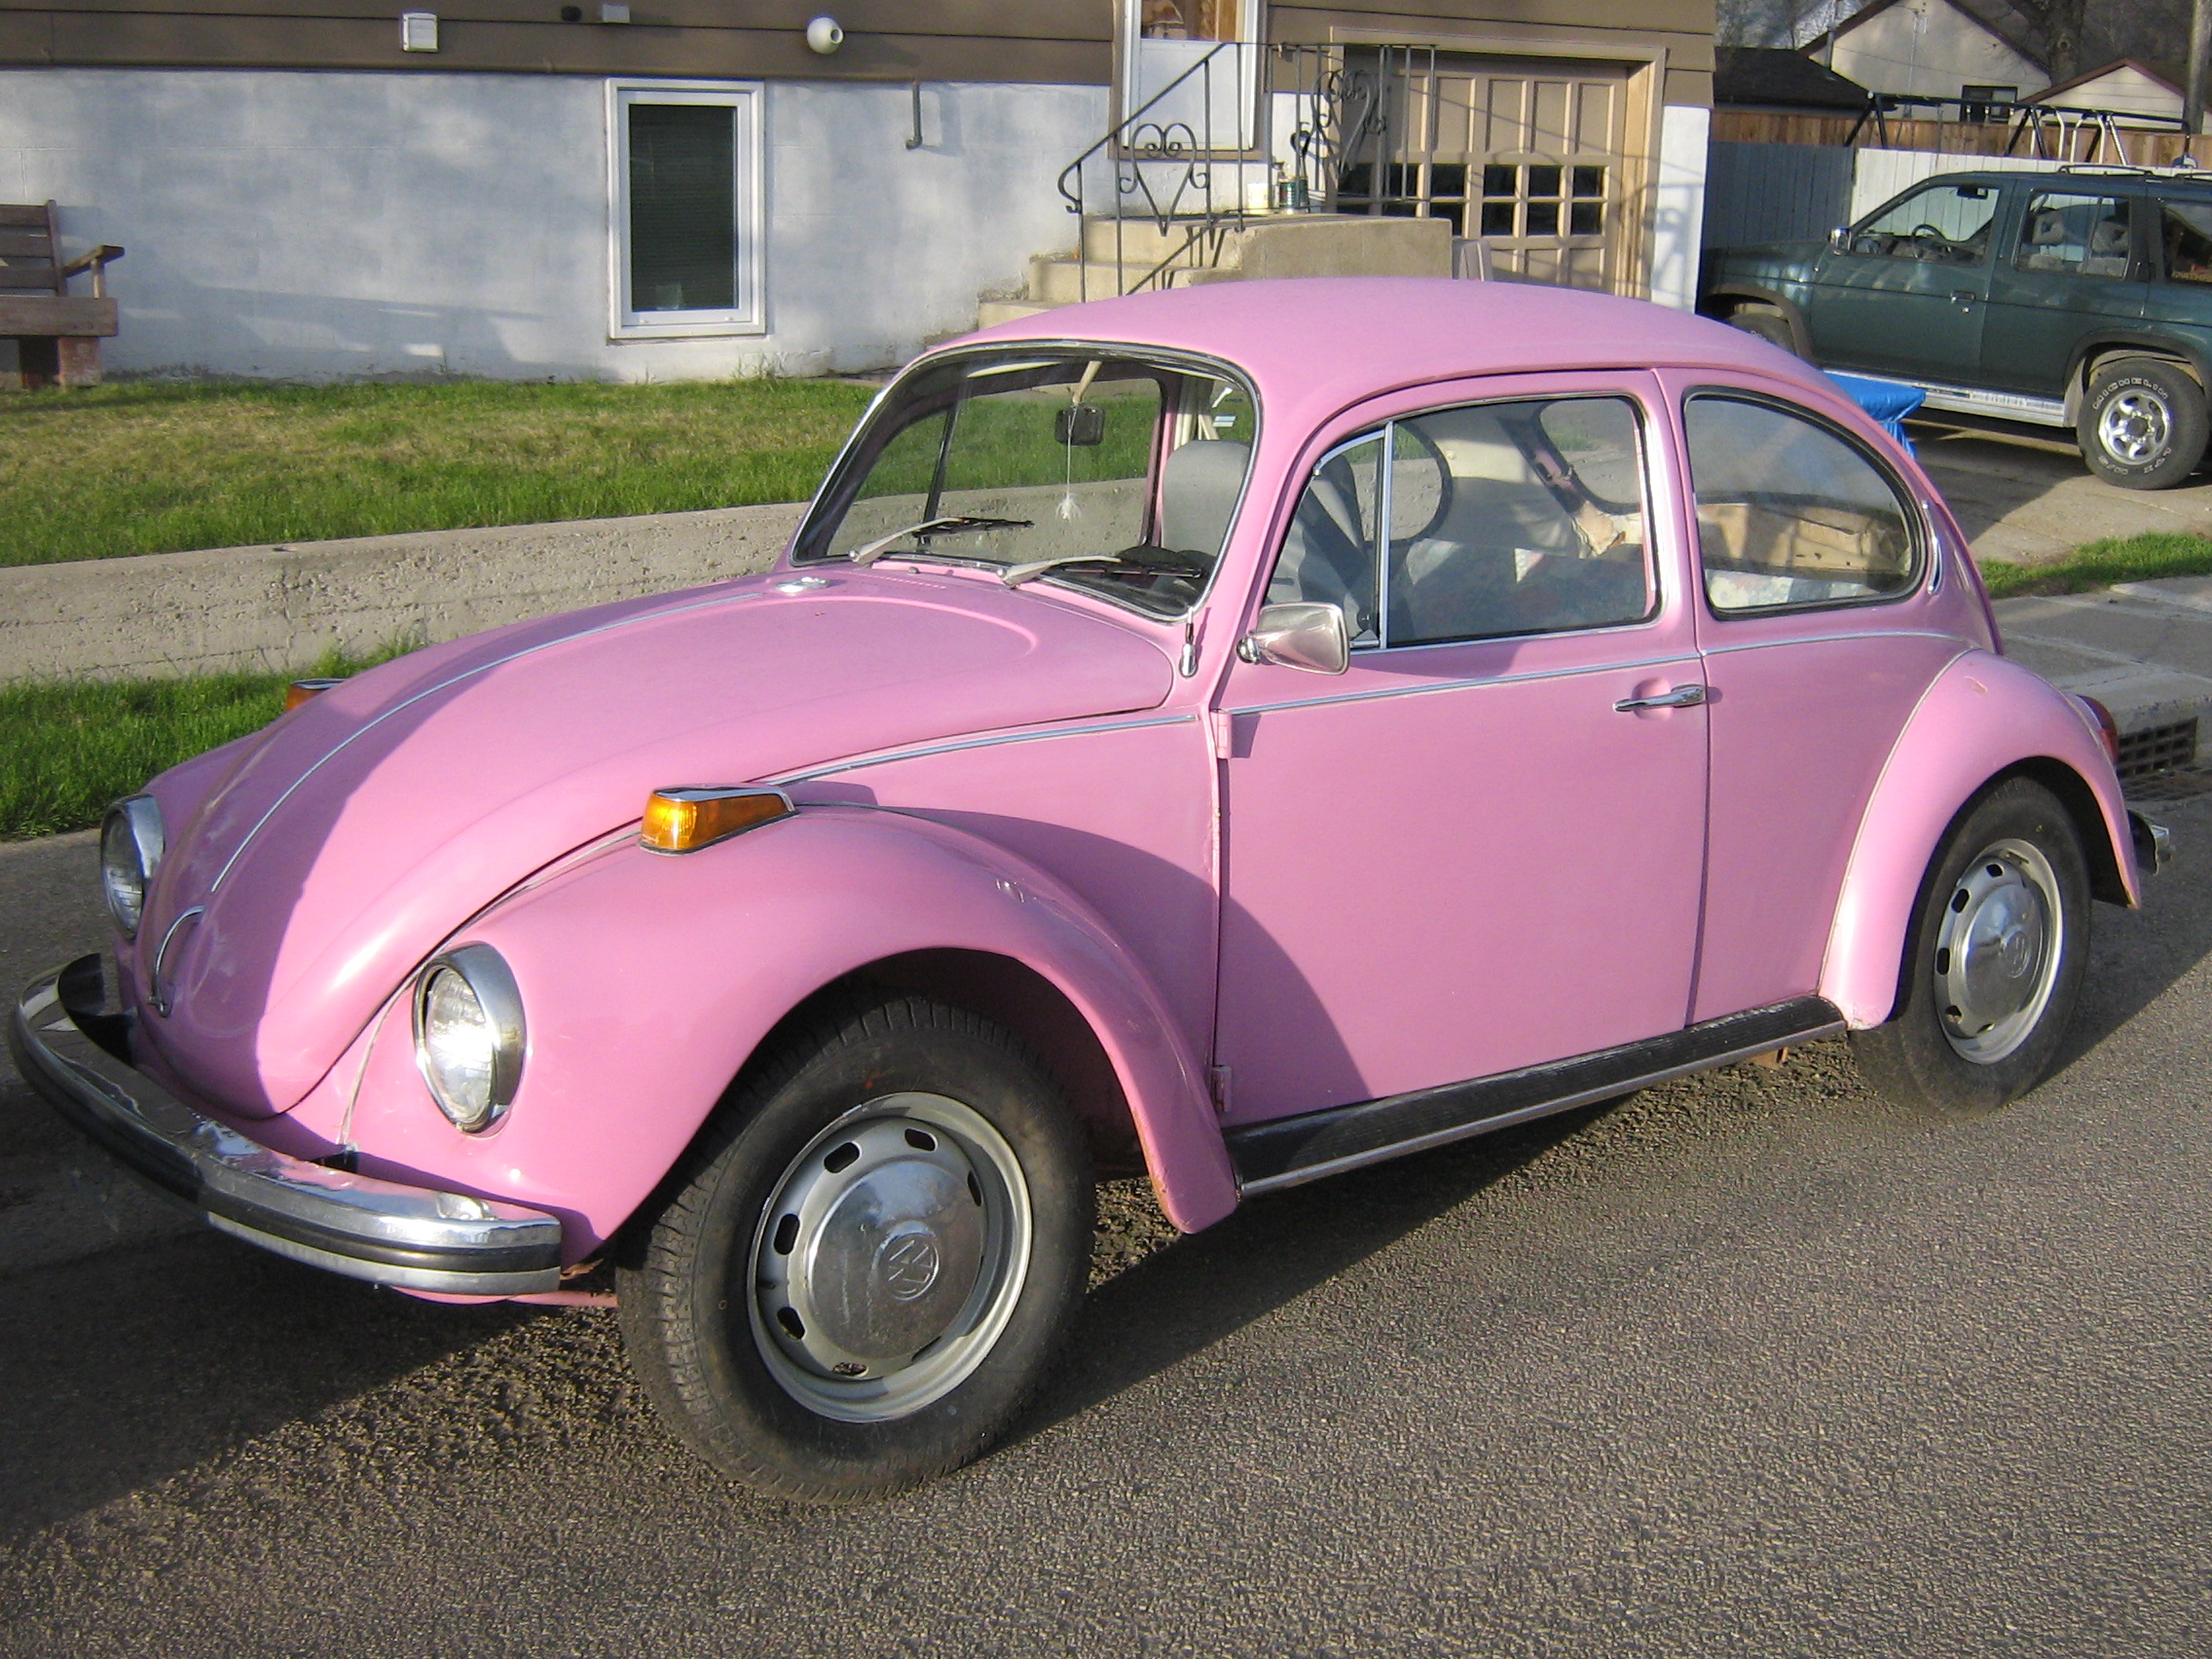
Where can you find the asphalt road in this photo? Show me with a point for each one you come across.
(1755, 1364)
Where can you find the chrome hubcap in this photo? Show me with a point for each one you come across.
(2134, 427)
(1997, 951)
(890, 1258)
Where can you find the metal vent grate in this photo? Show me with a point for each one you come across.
(2157, 748)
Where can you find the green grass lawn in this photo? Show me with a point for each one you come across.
(67, 747)
(2100, 564)
(151, 467)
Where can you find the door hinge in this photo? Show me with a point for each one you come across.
(1218, 1077)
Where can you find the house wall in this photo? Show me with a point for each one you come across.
(1065, 41)
(2123, 89)
(1932, 49)
(315, 226)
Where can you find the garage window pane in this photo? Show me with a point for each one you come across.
(682, 227)
(1791, 514)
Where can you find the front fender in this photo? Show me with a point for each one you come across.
(1984, 716)
(649, 980)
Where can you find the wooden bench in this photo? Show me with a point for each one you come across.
(57, 335)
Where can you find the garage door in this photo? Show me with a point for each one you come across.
(1526, 155)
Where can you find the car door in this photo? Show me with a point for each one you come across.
(1480, 847)
(1903, 294)
(2074, 266)
(1819, 644)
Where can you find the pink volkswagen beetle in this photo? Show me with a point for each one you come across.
(1243, 733)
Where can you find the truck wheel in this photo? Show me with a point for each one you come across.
(1993, 961)
(870, 1259)
(1767, 323)
(2143, 425)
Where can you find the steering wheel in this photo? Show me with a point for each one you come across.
(1927, 236)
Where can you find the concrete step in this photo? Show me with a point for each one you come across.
(1137, 241)
(1064, 281)
(992, 312)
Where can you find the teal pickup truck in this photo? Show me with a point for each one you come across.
(2072, 297)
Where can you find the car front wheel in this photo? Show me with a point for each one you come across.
(873, 1257)
(2143, 425)
(1993, 961)
(1767, 323)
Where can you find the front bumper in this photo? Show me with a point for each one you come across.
(410, 1236)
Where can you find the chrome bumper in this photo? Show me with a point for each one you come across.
(2154, 843)
(411, 1236)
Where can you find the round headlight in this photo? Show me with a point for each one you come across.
(468, 1035)
(130, 851)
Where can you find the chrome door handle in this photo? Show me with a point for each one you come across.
(1680, 697)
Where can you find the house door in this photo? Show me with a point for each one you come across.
(1528, 156)
(1164, 44)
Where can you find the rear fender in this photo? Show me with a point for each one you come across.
(1983, 718)
(649, 980)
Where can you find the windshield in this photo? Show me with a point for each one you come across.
(1114, 472)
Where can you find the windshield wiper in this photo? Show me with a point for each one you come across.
(882, 544)
(1158, 560)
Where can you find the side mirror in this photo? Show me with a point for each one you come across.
(1837, 237)
(1080, 425)
(1311, 637)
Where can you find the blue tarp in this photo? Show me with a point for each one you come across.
(1887, 401)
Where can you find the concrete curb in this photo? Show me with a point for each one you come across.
(2144, 649)
(282, 606)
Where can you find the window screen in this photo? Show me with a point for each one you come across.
(2083, 236)
(1503, 519)
(1790, 513)
(683, 207)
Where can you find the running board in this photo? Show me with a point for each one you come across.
(2002, 405)
(1288, 1151)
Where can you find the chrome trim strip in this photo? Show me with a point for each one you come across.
(1834, 638)
(991, 742)
(357, 1225)
(1682, 656)
(2004, 405)
(276, 805)
(1525, 1114)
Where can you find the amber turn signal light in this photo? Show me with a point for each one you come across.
(682, 820)
(306, 691)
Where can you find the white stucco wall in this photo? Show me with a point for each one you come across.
(1932, 49)
(323, 225)
(1679, 208)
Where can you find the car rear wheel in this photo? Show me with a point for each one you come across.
(1767, 323)
(1993, 961)
(873, 1256)
(2143, 425)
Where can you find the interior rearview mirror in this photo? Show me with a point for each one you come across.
(1082, 423)
(1307, 636)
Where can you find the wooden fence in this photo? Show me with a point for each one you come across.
(2082, 142)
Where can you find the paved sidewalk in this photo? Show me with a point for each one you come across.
(2143, 649)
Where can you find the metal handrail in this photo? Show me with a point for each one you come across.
(1136, 142)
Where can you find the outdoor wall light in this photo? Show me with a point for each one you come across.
(417, 31)
(825, 36)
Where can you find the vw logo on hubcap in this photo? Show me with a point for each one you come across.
(908, 1263)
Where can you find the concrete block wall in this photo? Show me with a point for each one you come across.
(335, 225)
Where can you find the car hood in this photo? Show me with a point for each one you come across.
(358, 831)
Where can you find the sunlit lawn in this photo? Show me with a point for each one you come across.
(152, 467)
(2100, 564)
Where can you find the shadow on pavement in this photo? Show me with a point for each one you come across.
(1267, 1254)
(2137, 955)
(127, 1368)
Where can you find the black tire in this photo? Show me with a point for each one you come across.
(695, 1305)
(1767, 323)
(2143, 425)
(1933, 1053)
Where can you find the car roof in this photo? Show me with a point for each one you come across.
(1314, 344)
(2138, 177)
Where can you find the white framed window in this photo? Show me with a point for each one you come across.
(683, 208)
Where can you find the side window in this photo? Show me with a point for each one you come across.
(2185, 229)
(1503, 519)
(2081, 236)
(1790, 513)
(1946, 223)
